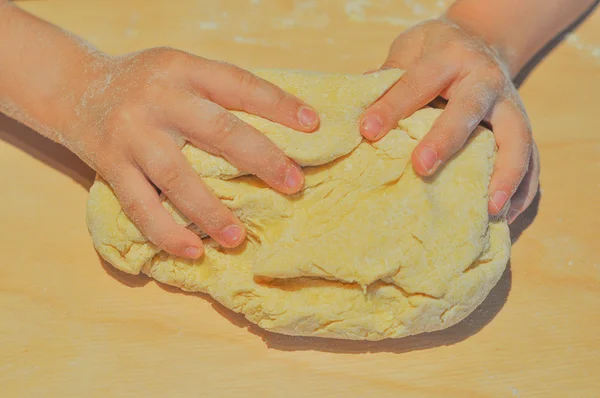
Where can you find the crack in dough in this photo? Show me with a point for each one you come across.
(368, 250)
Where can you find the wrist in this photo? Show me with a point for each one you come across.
(473, 20)
(58, 113)
(67, 106)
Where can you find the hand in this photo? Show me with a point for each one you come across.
(139, 111)
(442, 59)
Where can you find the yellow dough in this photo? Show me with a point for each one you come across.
(368, 250)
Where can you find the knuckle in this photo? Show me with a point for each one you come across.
(163, 62)
(125, 115)
(248, 85)
(494, 72)
(137, 212)
(213, 217)
(246, 80)
(279, 100)
(160, 239)
(118, 115)
(411, 88)
(169, 58)
(224, 124)
(171, 179)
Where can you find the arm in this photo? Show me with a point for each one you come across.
(517, 28)
(41, 73)
(128, 116)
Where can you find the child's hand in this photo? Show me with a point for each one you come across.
(139, 111)
(441, 59)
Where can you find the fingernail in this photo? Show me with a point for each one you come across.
(499, 198)
(371, 127)
(233, 234)
(428, 158)
(307, 116)
(512, 215)
(370, 71)
(192, 252)
(293, 179)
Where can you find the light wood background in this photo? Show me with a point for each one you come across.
(70, 326)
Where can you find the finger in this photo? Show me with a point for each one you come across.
(165, 165)
(214, 129)
(142, 205)
(528, 187)
(471, 101)
(513, 137)
(237, 89)
(415, 89)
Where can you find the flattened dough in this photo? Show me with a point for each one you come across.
(368, 250)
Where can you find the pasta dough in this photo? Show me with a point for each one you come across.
(368, 250)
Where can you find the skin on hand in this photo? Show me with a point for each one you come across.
(141, 108)
(443, 60)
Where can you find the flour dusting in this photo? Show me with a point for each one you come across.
(131, 30)
(305, 14)
(260, 42)
(382, 11)
(208, 25)
(588, 49)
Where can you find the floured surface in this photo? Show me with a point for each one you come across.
(368, 250)
(72, 327)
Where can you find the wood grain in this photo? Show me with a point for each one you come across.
(72, 326)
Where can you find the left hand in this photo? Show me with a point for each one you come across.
(442, 59)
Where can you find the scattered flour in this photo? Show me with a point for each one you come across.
(363, 11)
(131, 30)
(305, 14)
(260, 42)
(587, 49)
(208, 25)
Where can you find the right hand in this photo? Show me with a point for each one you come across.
(138, 112)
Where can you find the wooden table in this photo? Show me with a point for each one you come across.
(70, 326)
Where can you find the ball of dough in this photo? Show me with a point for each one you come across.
(368, 250)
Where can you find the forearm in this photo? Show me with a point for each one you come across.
(43, 72)
(517, 28)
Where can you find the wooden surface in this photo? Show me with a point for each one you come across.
(70, 326)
